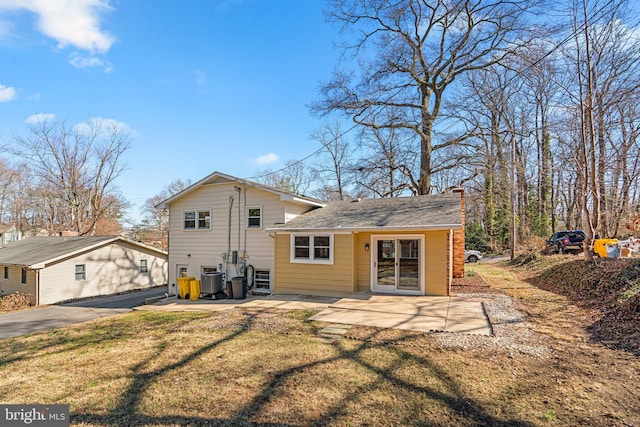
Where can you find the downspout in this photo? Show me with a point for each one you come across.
(37, 287)
(244, 189)
(226, 261)
(239, 189)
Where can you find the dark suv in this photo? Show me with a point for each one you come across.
(568, 241)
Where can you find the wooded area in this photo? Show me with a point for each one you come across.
(532, 106)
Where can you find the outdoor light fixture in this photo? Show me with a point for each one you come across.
(366, 247)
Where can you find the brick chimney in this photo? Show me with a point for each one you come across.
(458, 240)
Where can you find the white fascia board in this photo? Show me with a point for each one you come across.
(372, 229)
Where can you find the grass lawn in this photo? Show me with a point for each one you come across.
(246, 367)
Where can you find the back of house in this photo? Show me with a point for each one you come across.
(218, 225)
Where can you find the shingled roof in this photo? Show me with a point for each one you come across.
(439, 211)
(34, 252)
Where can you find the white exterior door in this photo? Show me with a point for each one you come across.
(397, 264)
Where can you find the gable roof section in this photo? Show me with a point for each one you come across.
(221, 178)
(432, 212)
(37, 252)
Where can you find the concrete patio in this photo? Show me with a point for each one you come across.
(416, 313)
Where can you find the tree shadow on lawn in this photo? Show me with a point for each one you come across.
(466, 410)
(102, 332)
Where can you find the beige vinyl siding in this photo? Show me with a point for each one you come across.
(315, 279)
(109, 269)
(195, 248)
(293, 210)
(14, 283)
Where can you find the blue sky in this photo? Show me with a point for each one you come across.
(203, 85)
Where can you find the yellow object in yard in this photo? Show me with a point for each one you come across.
(600, 246)
(183, 286)
(194, 290)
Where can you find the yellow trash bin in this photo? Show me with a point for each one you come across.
(184, 286)
(194, 291)
(600, 246)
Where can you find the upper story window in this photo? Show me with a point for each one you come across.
(254, 217)
(199, 219)
(314, 249)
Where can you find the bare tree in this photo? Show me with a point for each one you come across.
(419, 48)
(155, 221)
(293, 177)
(388, 163)
(332, 165)
(77, 166)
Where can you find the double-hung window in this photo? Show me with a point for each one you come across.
(81, 272)
(197, 219)
(254, 217)
(144, 268)
(312, 248)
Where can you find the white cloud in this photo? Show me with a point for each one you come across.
(267, 158)
(95, 123)
(201, 77)
(40, 118)
(6, 29)
(7, 93)
(80, 61)
(69, 22)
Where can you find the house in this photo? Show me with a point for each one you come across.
(219, 224)
(54, 269)
(9, 234)
(406, 246)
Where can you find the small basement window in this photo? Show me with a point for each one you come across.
(262, 280)
(205, 269)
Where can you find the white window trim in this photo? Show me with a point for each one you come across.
(84, 272)
(311, 259)
(197, 211)
(268, 281)
(211, 268)
(247, 217)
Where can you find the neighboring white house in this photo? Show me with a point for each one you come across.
(218, 225)
(54, 269)
(9, 234)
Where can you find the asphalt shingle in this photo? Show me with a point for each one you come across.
(35, 250)
(431, 211)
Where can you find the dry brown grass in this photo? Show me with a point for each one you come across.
(245, 367)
